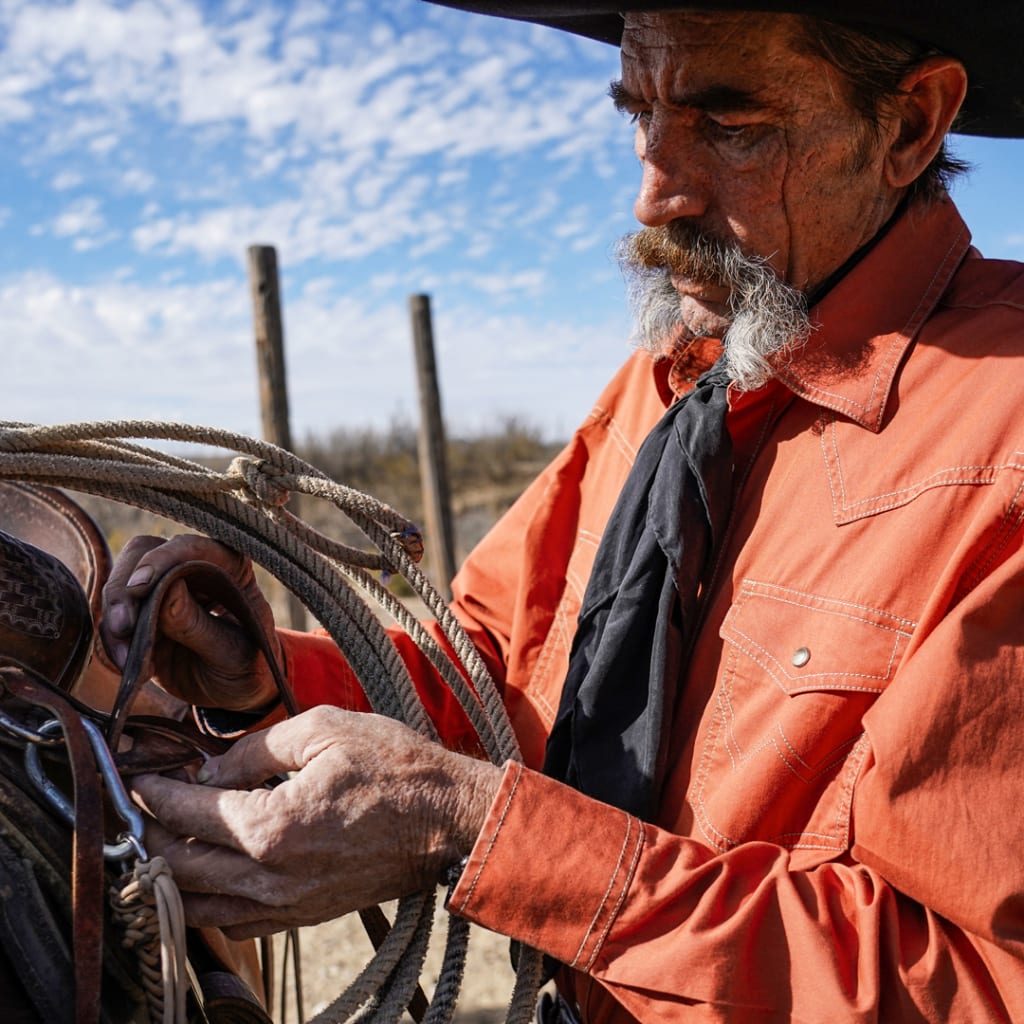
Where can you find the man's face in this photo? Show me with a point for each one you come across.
(751, 142)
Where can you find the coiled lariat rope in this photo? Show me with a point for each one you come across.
(243, 507)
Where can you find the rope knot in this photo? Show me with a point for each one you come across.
(149, 872)
(258, 475)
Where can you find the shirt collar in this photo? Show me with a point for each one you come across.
(868, 319)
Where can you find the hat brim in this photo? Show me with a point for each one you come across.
(987, 42)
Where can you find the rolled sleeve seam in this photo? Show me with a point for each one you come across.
(632, 845)
(517, 771)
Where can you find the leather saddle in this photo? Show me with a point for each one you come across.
(54, 560)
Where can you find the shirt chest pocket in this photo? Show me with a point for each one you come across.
(782, 742)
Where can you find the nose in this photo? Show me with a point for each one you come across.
(675, 180)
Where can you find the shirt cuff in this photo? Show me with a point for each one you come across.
(551, 867)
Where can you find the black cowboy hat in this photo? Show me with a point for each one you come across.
(988, 38)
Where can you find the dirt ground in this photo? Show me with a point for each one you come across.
(332, 954)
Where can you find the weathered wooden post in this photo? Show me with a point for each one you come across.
(269, 330)
(266, 307)
(432, 449)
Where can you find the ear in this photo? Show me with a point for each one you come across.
(929, 99)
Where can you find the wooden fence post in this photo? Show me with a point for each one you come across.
(433, 449)
(269, 330)
(266, 307)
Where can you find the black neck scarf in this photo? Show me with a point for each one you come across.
(639, 613)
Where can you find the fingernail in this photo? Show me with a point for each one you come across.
(141, 576)
(207, 771)
(120, 655)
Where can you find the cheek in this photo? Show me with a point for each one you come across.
(827, 209)
(756, 206)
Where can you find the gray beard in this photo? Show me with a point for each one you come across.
(769, 319)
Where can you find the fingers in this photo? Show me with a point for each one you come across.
(287, 746)
(214, 816)
(221, 646)
(120, 607)
(238, 918)
(142, 562)
(363, 819)
(219, 886)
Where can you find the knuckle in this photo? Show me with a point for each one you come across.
(259, 832)
(129, 557)
(326, 717)
(261, 842)
(141, 544)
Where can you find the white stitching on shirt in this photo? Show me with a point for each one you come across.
(605, 419)
(494, 835)
(607, 892)
(769, 662)
(1012, 522)
(752, 586)
(622, 895)
(983, 475)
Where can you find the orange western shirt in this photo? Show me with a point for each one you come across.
(840, 836)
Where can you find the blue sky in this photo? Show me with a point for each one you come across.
(384, 149)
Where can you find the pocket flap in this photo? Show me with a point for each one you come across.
(807, 642)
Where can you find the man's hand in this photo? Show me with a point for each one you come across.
(374, 812)
(200, 657)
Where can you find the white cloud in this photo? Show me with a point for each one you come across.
(509, 287)
(103, 145)
(81, 217)
(123, 350)
(65, 180)
(137, 180)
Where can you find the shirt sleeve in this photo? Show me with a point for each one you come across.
(663, 922)
(487, 600)
(319, 674)
(511, 592)
(922, 919)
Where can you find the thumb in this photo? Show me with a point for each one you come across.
(286, 746)
(187, 622)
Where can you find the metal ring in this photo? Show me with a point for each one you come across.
(129, 842)
(23, 732)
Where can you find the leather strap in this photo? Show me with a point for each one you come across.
(87, 881)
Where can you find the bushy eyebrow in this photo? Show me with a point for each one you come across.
(621, 96)
(715, 98)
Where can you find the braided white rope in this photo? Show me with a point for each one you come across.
(148, 907)
(244, 508)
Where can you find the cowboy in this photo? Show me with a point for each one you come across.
(775, 776)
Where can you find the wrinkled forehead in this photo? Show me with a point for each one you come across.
(720, 43)
(739, 32)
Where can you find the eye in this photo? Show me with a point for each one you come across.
(741, 135)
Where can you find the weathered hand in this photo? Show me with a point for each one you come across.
(202, 658)
(374, 812)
